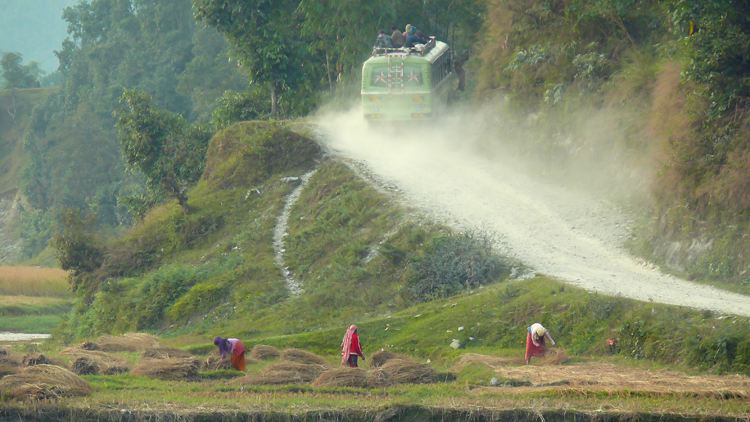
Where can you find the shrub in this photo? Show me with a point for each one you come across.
(453, 263)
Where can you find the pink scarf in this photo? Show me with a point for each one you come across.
(346, 345)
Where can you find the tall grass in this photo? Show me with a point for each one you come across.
(34, 281)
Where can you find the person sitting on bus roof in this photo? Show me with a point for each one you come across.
(412, 38)
(397, 38)
(421, 35)
(383, 41)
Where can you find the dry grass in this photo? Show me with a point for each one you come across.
(600, 376)
(377, 359)
(34, 359)
(262, 352)
(34, 281)
(342, 377)
(130, 342)
(168, 369)
(283, 373)
(215, 362)
(405, 371)
(302, 356)
(164, 353)
(95, 362)
(43, 382)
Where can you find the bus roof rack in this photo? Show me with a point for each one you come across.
(420, 49)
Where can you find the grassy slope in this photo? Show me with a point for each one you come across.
(212, 273)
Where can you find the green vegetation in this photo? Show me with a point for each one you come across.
(669, 80)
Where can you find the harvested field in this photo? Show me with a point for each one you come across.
(43, 382)
(342, 377)
(283, 373)
(302, 356)
(607, 377)
(168, 369)
(130, 342)
(94, 362)
(405, 371)
(377, 359)
(262, 352)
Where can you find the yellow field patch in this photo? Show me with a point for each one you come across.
(30, 300)
(33, 281)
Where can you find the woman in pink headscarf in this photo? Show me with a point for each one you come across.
(351, 348)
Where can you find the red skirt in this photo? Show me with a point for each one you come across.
(532, 350)
(238, 361)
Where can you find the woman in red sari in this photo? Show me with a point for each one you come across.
(351, 348)
(535, 341)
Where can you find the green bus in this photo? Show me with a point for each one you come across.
(404, 84)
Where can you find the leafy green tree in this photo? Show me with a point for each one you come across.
(716, 36)
(265, 39)
(17, 75)
(163, 146)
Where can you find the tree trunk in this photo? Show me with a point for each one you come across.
(274, 98)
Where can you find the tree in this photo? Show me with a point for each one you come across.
(78, 250)
(17, 75)
(163, 146)
(265, 38)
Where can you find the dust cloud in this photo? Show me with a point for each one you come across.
(556, 204)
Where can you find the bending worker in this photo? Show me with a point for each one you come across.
(535, 341)
(234, 348)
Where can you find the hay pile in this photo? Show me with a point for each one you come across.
(215, 362)
(43, 382)
(344, 377)
(33, 359)
(302, 356)
(377, 359)
(164, 353)
(131, 342)
(168, 369)
(283, 373)
(9, 362)
(94, 362)
(262, 352)
(555, 356)
(405, 371)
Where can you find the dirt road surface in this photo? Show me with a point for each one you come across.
(555, 229)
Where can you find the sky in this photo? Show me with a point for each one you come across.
(34, 28)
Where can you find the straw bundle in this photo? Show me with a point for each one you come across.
(283, 373)
(342, 377)
(403, 371)
(93, 362)
(164, 353)
(377, 359)
(131, 342)
(555, 356)
(302, 356)
(42, 382)
(262, 352)
(168, 369)
(34, 359)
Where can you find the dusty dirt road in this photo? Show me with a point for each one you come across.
(556, 230)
